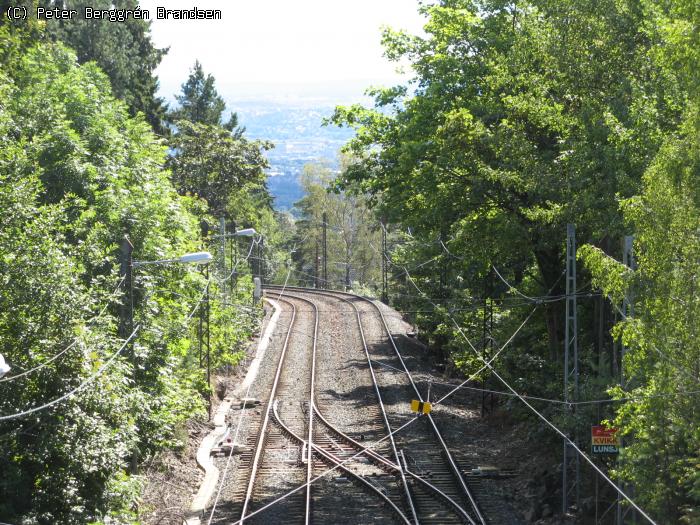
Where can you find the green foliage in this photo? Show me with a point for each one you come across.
(661, 455)
(662, 441)
(123, 50)
(353, 234)
(609, 275)
(77, 173)
(225, 170)
(521, 118)
(201, 103)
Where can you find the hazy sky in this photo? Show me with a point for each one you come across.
(279, 48)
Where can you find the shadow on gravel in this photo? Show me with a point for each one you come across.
(285, 511)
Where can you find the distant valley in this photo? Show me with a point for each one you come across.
(299, 137)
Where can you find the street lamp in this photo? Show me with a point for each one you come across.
(127, 268)
(246, 232)
(188, 258)
(4, 367)
(128, 265)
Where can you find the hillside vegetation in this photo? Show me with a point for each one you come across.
(523, 117)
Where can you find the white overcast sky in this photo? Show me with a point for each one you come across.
(279, 48)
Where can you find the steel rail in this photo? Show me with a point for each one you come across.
(336, 462)
(409, 498)
(388, 465)
(309, 459)
(438, 434)
(260, 445)
(448, 456)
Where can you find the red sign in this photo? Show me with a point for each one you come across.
(604, 440)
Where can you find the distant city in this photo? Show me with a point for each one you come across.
(296, 129)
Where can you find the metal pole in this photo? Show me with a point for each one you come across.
(484, 355)
(222, 232)
(491, 341)
(208, 333)
(571, 369)
(325, 250)
(385, 274)
(628, 309)
(200, 332)
(317, 266)
(262, 260)
(233, 257)
(126, 271)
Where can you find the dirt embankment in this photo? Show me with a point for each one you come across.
(172, 478)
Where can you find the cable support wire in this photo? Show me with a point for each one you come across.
(487, 364)
(77, 389)
(233, 443)
(338, 465)
(461, 386)
(253, 243)
(62, 352)
(536, 299)
(371, 446)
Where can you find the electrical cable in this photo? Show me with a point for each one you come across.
(253, 243)
(223, 476)
(369, 447)
(542, 417)
(511, 287)
(487, 364)
(460, 386)
(62, 352)
(233, 443)
(338, 465)
(80, 387)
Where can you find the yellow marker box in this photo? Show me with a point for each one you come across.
(421, 407)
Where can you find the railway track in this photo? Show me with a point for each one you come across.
(434, 489)
(273, 455)
(287, 445)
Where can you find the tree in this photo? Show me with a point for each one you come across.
(123, 50)
(77, 173)
(201, 103)
(223, 169)
(524, 117)
(352, 233)
(661, 457)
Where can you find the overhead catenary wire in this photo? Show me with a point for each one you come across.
(228, 459)
(332, 469)
(254, 242)
(77, 389)
(487, 364)
(633, 399)
(510, 286)
(542, 417)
